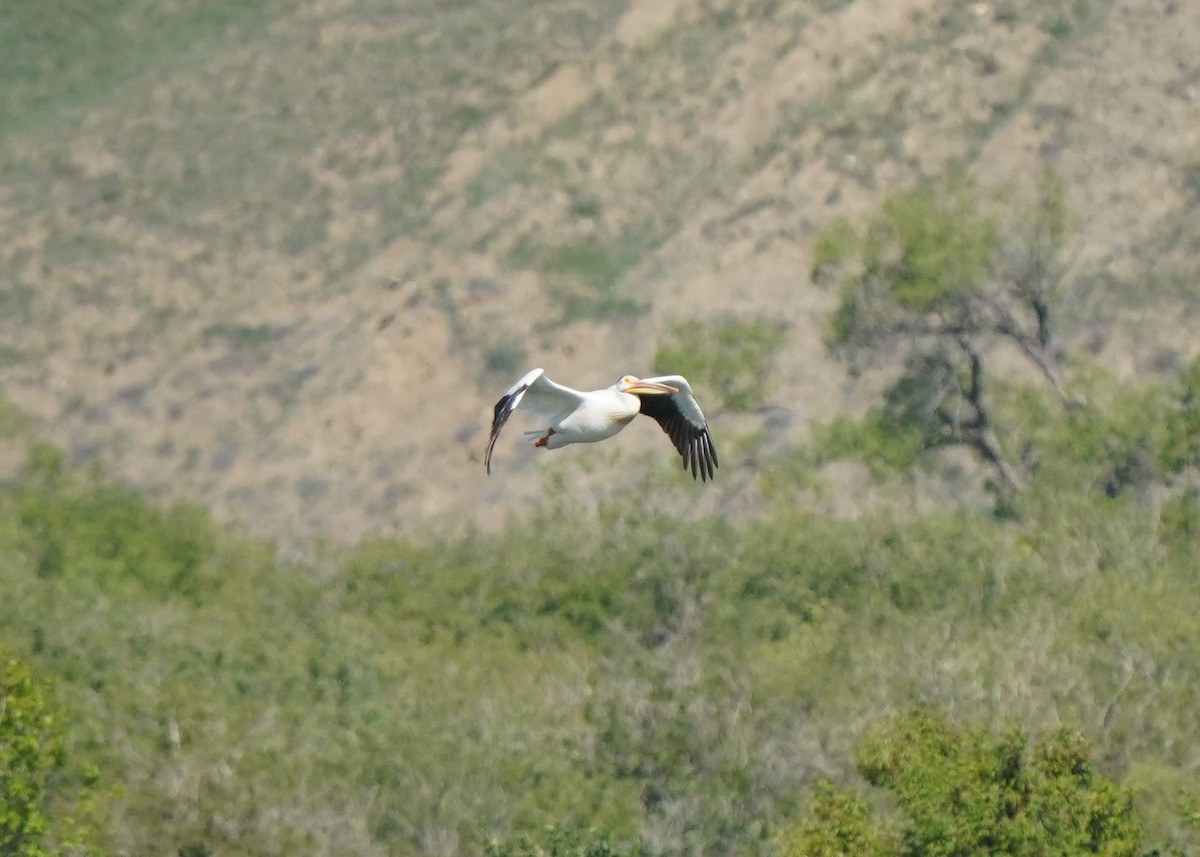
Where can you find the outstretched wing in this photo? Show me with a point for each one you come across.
(535, 393)
(683, 421)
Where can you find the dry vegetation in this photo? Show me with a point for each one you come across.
(238, 263)
(276, 260)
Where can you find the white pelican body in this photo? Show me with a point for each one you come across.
(572, 416)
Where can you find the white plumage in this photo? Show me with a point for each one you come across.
(572, 416)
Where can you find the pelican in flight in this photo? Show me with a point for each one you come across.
(575, 417)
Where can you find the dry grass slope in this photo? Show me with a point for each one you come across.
(240, 266)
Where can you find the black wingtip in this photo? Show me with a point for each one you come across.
(500, 414)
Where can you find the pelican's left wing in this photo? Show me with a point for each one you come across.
(535, 393)
(681, 418)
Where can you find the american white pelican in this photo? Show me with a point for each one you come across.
(575, 417)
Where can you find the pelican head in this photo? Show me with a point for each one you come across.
(638, 387)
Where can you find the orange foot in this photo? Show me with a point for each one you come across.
(542, 441)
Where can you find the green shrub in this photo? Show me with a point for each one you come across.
(968, 793)
(839, 825)
(920, 253)
(30, 752)
(1117, 437)
(32, 757)
(108, 534)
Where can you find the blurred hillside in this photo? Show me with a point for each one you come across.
(281, 257)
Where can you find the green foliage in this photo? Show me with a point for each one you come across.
(1181, 517)
(835, 245)
(932, 282)
(731, 359)
(892, 436)
(594, 264)
(676, 684)
(110, 536)
(969, 793)
(929, 244)
(30, 752)
(921, 253)
(32, 758)
(838, 825)
(1112, 439)
(1116, 437)
(672, 733)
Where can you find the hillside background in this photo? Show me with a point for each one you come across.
(266, 266)
(281, 258)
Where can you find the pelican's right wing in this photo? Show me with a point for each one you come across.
(683, 421)
(534, 393)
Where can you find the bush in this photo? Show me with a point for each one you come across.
(966, 793)
(31, 756)
(107, 533)
(30, 751)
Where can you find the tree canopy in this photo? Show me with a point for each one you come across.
(964, 793)
(933, 283)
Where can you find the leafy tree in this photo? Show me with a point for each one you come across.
(840, 825)
(31, 755)
(30, 751)
(932, 282)
(967, 793)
